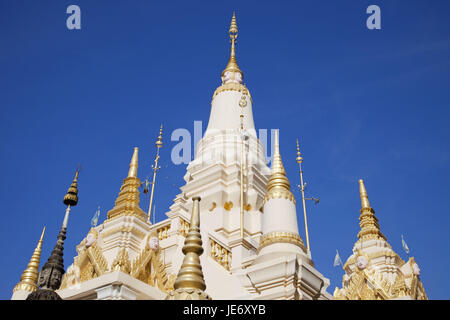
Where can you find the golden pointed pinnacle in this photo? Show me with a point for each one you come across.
(232, 65)
(190, 284)
(158, 142)
(71, 197)
(363, 195)
(29, 278)
(368, 222)
(132, 172)
(278, 185)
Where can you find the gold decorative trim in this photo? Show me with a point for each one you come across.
(280, 194)
(184, 227)
(163, 232)
(122, 262)
(220, 254)
(283, 237)
(213, 206)
(228, 205)
(149, 268)
(231, 86)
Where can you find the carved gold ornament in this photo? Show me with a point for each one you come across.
(283, 237)
(228, 205)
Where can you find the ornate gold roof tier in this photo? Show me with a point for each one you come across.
(29, 278)
(127, 203)
(190, 284)
(71, 198)
(370, 229)
(278, 185)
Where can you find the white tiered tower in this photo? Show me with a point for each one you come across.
(252, 248)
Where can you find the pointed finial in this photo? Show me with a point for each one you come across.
(368, 222)
(363, 195)
(232, 65)
(299, 158)
(278, 185)
(71, 198)
(190, 284)
(29, 278)
(159, 143)
(132, 172)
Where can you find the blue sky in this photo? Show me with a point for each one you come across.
(370, 104)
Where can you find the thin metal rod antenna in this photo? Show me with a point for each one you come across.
(299, 160)
(155, 169)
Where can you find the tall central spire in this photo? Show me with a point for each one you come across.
(232, 73)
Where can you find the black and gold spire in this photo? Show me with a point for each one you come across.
(52, 272)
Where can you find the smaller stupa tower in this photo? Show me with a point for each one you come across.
(29, 278)
(374, 271)
(190, 284)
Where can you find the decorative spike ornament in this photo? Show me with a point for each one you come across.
(370, 229)
(190, 284)
(299, 160)
(232, 65)
(134, 164)
(155, 168)
(29, 278)
(278, 185)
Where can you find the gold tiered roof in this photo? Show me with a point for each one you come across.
(127, 202)
(370, 229)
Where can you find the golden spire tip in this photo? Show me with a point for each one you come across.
(363, 194)
(232, 65)
(42, 235)
(132, 172)
(278, 183)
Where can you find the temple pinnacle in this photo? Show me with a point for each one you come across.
(29, 278)
(134, 164)
(278, 185)
(363, 194)
(368, 222)
(232, 65)
(190, 284)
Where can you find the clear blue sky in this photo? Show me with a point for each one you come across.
(371, 104)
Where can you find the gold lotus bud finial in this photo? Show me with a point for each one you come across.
(232, 65)
(29, 278)
(132, 172)
(71, 197)
(299, 158)
(159, 143)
